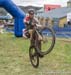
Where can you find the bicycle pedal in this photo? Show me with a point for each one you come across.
(41, 56)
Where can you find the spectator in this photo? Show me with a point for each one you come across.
(1, 26)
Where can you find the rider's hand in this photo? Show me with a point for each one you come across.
(33, 24)
(27, 23)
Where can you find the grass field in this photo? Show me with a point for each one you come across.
(14, 58)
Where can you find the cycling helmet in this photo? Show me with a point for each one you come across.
(31, 11)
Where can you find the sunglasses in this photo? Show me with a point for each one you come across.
(31, 13)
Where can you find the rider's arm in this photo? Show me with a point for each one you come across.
(26, 21)
(35, 21)
(38, 23)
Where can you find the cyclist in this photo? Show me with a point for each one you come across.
(30, 21)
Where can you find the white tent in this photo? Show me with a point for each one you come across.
(69, 17)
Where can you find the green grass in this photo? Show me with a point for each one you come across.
(14, 58)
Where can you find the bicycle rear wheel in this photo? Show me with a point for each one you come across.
(48, 41)
(34, 58)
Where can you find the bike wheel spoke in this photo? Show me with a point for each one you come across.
(34, 58)
(47, 42)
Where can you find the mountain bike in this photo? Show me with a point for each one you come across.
(39, 48)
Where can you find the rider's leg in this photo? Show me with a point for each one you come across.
(30, 32)
(31, 36)
(24, 33)
(39, 36)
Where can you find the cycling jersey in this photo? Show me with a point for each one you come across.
(28, 21)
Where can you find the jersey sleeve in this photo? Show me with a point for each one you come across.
(26, 19)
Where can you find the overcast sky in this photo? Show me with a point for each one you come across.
(40, 2)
